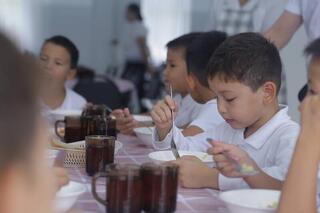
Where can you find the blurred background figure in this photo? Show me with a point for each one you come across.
(136, 51)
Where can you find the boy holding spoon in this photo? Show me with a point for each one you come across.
(245, 74)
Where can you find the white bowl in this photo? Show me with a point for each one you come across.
(63, 113)
(145, 135)
(68, 195)
(51, 155)
(164, 156)
(251, 200)
(143, 120)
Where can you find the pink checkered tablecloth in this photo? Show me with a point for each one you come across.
(189, 200)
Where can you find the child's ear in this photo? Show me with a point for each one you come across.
(191, 81)
(269, 91)
(72, 74)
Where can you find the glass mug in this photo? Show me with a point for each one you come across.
(160, 187)
(96, 125)
(99, 153)
(123, 188)
(72, 129)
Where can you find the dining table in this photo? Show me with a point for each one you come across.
(133, 151)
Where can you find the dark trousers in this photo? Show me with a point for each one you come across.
(134, 72)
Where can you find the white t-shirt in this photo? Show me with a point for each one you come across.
(72, 101)
(264, 15)
(309, 10)
(134, 30)
(208, 117)
(271, 146)
(189, 110)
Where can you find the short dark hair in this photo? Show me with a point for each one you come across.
(19, 87)
(248, 58)
(135, 9)
(182, 42)
(199, 52)
(68, 45)
(313, 49)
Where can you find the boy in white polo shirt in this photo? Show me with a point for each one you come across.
(245, 73)
(175, 75)
(197, 57)
(58, 60)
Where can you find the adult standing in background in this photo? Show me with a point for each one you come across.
(238, 16)
(297, 12)
(136, 51)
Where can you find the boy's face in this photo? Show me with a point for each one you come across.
(175, 73)
(55, 61)
(237, 103)
(314, 76)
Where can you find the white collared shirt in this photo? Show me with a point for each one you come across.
(208, 117)
(133, 31)
(309, 10)
(271, 146)
(188, 111)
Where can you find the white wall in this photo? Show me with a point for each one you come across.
(91, 24)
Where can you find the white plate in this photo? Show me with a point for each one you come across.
(250, 200)
(163, 156)
(144, 134)
(142, 118)
(68, 195)
(62, 113)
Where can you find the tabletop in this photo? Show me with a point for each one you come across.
(189, 200)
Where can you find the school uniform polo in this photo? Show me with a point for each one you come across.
(271, 146)
(189, 110)
(208, 117)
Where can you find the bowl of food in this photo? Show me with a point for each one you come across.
(145, 135)
(68, 195)
(251, 200)
(143, 120)
(159, 157)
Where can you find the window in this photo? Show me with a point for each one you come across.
(165, 20)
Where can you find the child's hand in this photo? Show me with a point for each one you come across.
(193, 173)
(228, 157)
(161, 115)
(125, 121)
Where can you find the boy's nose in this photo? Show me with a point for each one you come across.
(221, 107)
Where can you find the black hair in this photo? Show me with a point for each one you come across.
(248, 58)
(182, 42)
(199, 52)
(68, 45)
(313, 49)
(135, 9)
(20, 86)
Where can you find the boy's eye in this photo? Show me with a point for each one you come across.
(312, 92)
(230, 99)
(43, 58)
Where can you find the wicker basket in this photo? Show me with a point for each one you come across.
(75, 153)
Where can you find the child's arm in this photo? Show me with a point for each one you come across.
(228, 157)
(281, 32)
(193, 173)
(300, 188)
(125, 121)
